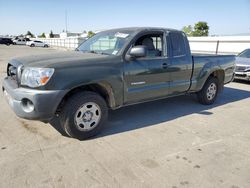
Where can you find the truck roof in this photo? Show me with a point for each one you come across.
(139, 29)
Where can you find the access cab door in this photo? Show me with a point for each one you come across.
(180, 63)
(147, 78)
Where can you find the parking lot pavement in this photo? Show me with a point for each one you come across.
(169, 143)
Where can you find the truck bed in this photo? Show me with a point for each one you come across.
(204, 63)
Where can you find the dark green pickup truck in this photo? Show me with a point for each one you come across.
(112, 69)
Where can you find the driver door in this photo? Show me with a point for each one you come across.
(147, 78)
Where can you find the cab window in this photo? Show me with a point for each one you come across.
(177, 44)
(153, 43)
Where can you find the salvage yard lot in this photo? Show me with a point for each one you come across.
(168, 143)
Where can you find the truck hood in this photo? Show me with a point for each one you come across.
(60, 59)
(242, 61)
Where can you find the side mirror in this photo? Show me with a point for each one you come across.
(138, 51)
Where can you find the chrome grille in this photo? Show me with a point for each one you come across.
(14, 71)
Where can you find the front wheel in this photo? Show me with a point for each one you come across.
(84, 115)
(32, 45)
(209, 92)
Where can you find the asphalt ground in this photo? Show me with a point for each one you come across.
(174, 143)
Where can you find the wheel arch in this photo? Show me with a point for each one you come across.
(102, 88)
(220, 75)
(205, 75)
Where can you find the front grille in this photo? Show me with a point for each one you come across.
(14, 70)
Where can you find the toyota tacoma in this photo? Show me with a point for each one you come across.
(112, 69)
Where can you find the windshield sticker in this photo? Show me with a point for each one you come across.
(121, 35)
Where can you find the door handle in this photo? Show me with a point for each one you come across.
(164, 65)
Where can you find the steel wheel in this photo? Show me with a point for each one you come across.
(87, 116)
(84, 115)
(211, 91)
(208, 94)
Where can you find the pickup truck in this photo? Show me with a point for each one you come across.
(21, 41)
(112, 69)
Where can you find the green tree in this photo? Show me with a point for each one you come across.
(42, 35)
(201, 29)
(91, 34)
(51, 35)
(30, 34)
(188, 30)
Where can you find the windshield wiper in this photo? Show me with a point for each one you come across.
(95, 52)
(92, 51)
(103, 53)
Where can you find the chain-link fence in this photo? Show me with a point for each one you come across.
(70, 43)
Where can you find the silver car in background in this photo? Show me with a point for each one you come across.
(242, 70)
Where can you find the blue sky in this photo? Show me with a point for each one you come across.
(223, 16)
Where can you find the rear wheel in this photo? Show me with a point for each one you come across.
(84, 115)
(209, 92)
(46, 46)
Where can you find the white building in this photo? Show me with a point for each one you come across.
(69, 34)
(55, 35)
(84, 35)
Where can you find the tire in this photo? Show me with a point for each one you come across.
(7, 44)
(208, 94)
(84, 115)
(46, 46)
(32, 45)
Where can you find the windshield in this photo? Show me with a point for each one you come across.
(109, 43)
(245, 54)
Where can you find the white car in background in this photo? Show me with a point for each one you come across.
(37, 43)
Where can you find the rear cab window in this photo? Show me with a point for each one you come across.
(177, 44)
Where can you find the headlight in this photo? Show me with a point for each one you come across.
(247, 68)
(35, 77)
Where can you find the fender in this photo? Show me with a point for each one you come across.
(207, 70)
(103, 88)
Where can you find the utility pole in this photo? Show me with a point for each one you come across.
(66, 21)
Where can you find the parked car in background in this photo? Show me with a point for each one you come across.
(21, 41)
(242, 70)
(6, 41)
(37, 43)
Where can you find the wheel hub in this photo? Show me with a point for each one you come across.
(87, 116)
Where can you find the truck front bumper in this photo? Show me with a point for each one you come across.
(31, 103)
